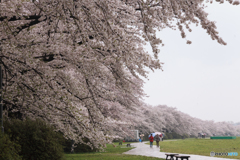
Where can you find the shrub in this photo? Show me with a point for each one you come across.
(8, 149)
(80, 148)
(174, 135)
(38, 140)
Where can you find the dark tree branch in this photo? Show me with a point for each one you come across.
(27, 25)
(14, 18)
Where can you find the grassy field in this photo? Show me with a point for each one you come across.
(202, 146)
(111, 153)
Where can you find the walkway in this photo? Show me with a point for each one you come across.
(145, 150)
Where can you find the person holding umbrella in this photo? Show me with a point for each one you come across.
(151, 140)
(157, 138)
(141, 137)
(161, 137)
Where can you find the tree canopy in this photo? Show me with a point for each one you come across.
(79, 64)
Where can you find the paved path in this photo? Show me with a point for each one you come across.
(145, 150)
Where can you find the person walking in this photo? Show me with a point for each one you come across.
(141, 136)
(151, 140)
(161, 137)
(157, 138)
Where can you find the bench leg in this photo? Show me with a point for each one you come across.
(171, 158)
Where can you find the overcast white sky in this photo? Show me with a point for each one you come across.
(201, 79)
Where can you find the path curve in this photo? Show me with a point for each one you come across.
(145, 150)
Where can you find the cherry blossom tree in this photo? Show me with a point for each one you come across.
(171, 120)
(78, 64)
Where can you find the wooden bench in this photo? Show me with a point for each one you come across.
(182, 157)
(171, 155)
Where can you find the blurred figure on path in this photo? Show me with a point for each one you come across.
(161, 136)
(151, 140)
(157, 138)
(141, 136)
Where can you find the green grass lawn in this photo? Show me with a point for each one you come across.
(111, 153)
(202, 146)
